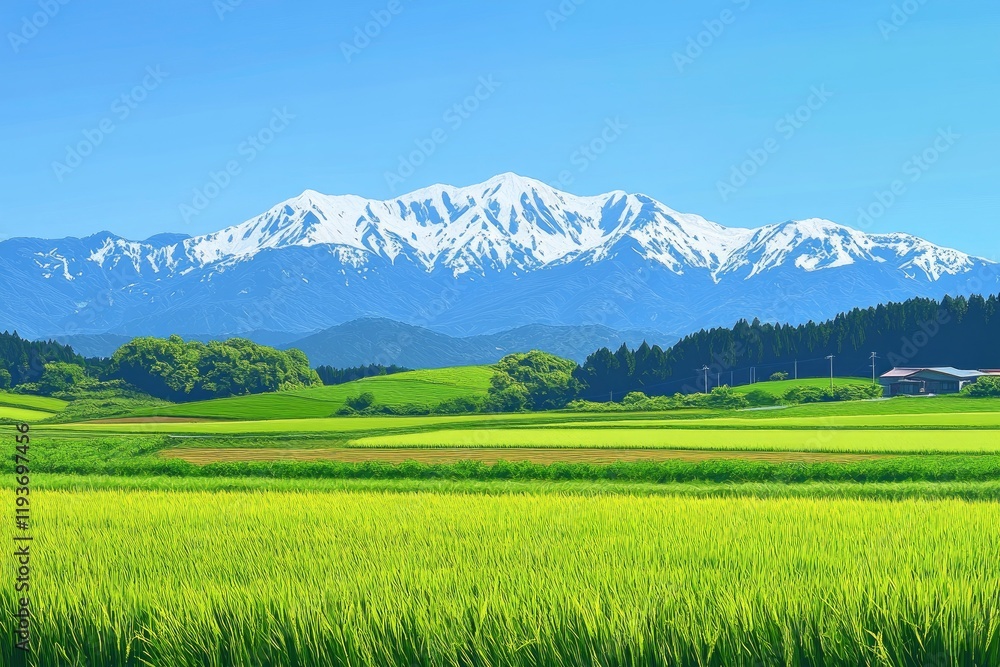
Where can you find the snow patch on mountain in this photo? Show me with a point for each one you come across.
(517, 225)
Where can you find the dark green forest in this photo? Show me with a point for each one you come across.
(956, 332)
(331, 376)
(23, 361)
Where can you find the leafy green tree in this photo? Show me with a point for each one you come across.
(985, 387)
(534, 380)
(5, 378)
(61, 377)
(779, 376)
(182, 371)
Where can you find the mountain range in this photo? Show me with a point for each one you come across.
(503, 254)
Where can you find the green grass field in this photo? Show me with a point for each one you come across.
(22, 414)
(359, 578)
(40, 404)
(815, 535)
(782, 387)
(427, 387)
(759, 440)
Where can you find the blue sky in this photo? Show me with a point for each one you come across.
(118, 114)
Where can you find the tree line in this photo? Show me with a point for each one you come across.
(23, 361)
(955, 331)
(332, 376)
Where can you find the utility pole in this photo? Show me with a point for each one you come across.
(718, 379)
(874, 357)
(796, 369)
(830, 357)
(732, 379)
(706, 369)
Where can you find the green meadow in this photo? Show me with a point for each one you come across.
(427, 387)
(263, 530)
(135, 577)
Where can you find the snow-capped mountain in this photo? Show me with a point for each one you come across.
(504, 253)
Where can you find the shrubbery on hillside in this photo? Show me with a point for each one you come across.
(985, 387)
(176, 370)
(532, 381)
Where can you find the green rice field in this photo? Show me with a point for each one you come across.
(760, 440)
(369, 578)
(22, 414)
(261, 530)
(40, 403)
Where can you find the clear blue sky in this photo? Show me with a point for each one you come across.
(682, 124)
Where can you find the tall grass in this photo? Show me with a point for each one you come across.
(137, 578)
(138, 456)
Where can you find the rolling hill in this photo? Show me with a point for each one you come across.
(426, 387)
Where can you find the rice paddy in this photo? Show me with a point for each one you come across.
(269, 578)
(263, 531)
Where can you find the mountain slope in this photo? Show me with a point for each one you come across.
(498, 255)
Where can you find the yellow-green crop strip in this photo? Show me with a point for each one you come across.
(236, 578)
(859, 441)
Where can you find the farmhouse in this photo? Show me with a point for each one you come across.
(923, 381)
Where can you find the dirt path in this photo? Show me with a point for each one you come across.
(204, 456)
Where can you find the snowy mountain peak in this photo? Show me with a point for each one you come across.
(514, 224)
(507, 252)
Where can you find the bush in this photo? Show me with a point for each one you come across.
(635, 398)
(5, 378)
(360, 402)
(758, 398)
(460, 405)
(985, 387)
(778, 377)
(726, 398)
(847, 392)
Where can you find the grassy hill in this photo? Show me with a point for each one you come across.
(425, 387)
(23, 408)
(41, 403)
(782, 387)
